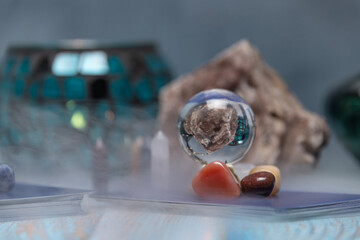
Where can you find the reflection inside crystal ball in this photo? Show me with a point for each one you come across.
(216, 125)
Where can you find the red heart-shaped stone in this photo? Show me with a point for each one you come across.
(215, 180)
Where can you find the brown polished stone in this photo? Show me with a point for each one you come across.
(260, 183)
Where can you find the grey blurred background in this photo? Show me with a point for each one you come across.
(313, 45)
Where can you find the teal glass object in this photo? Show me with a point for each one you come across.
(121, 90)
(24, 66)
(161, 81)
(8, 66)
(57, 101)
(143, 90)
(66, 64)
(75, 88)
(34, 91)
(84, 71)
(51, 88)
(155, 63)
(93, 63)
(343, 111)
(19, 86)
(116, 65)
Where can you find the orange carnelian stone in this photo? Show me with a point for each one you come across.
(215, 180)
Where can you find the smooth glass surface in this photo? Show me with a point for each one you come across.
(213, 101)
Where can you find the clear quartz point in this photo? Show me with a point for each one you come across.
(160, 159)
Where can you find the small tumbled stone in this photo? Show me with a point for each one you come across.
(215, 180)
(274, 171)
(260, 183)
(7, 178)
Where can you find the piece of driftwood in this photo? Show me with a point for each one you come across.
(286, 133)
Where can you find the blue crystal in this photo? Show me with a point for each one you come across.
(7, 178)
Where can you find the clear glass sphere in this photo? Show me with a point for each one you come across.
(216, 125)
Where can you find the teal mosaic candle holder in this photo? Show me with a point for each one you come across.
(131, 75)
(57, 101)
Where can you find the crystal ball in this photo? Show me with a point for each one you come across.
(216, 125)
